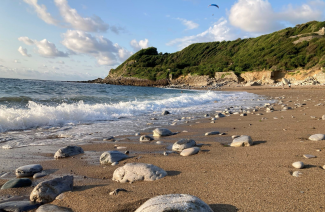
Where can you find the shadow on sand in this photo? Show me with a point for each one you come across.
(223, 208)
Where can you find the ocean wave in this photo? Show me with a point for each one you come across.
(38, 115)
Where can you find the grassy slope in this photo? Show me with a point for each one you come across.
(274, 51)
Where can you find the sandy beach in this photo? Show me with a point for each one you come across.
(228, 179)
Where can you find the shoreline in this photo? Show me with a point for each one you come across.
(256, 178)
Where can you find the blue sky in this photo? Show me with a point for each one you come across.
(83, 39)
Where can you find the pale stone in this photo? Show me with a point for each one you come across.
(162, 132)
(29, 170)
(131, 172)
(296, 173)
(6, 147)
(298, 165)
(309, 156)
(174, 202)
(317, 137)
(111, 157)
(68, 151)
(243, 140)
(145, 139)
(190, 151)
(323, 117)
(211, 133)
(183, 144)
(47, 191)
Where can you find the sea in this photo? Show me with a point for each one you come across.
(38, 112)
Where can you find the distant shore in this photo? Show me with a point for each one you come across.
(256, 178)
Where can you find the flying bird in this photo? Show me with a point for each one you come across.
(213, 5)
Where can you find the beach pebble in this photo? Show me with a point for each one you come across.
(190, 151)
(298, 165)
(39, 175)
(116, 191)
(47, 191)
(29, 170)
(243, 140)
(52, 208)
(145, 139)
(174, 202)
(317, 137)
(323, 117)
(159, 142)
(211, 133)
(183, 144)
(17, 183)
(131, 172)
(162, 132)
(165, 112)
(6, 147)
(296, 173)
(17, 206)
(111, 157)
(68, 151)
(137, 134)
(309, 156)
(121, 147)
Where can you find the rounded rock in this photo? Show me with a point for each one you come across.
(112, 157)
(145, 139)
(183, 144)
(162, 132)
(29, 170)
(243, 140)
(298, 165)
(317, 137)
(17, 183)
(190, 151)
(68, 151)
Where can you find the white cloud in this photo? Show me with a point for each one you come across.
(218, 32)
(44, 47)
(23, 52)
(258, 16)
(26, 40)
(142, 44)
(188, 24)
(71, 16)
(102, 48)
(42, 13)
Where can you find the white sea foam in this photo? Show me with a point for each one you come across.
(38, 115)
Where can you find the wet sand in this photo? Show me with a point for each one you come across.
(256, 178)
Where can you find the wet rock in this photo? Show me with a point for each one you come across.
(145, 139)
(183, 144)
(190, 151)
(29, 170)
(68, 151)
(52, 208)
(243, 140)
(174, 202)
(18, 206)
(17, 183)
(132, 172)
(211, 133)
(47, 191)
(162, 132)
(317, 137)
(112, 157)
(298, 165)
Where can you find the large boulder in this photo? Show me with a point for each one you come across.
(17, 183)
(174, 202)
(17, 206)
(131, 172)
(47, 191)
(243, 140)
(52, 208)
(162, 132)
(317, 137)
(112, 157)
(145, 139)
(29, 170)
(183, 144)
(68, 151)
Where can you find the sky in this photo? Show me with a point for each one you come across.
(83, 39)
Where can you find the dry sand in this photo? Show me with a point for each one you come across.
(256, 178)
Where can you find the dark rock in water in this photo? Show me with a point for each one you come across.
(165, 112)
(18, 206)
(112, 157)
(52, 208)
(68, 151)
(17, 183)
(145, 138)
(174, 202)
(29, 170)
(47, 191)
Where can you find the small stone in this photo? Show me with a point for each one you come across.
(211, 133)
(162, 132)
(137, 134)
(116, 191)
(190, 151)
(159, 142)
(298, 165)
(29, 170)
(6, 147)
(68, 151)
(111, 157)
(165, 153)
(296, 173)
(323, 117)
(222, 133)
(183, 144)
(39, 175)
(317, 137)
(243, 140)
(121, 147)
(145, 139)
(17, 183)
(309, 156)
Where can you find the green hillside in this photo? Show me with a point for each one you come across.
(275, 51)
